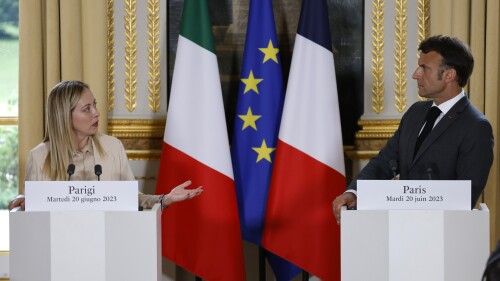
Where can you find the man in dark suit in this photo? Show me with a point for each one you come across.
(454, 144)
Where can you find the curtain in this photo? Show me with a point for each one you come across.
(476, 22)
(58, 40)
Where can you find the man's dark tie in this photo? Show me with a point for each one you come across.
(431, 117)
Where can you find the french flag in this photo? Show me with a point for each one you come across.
(309, 170)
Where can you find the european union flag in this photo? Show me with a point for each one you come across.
(258, 116)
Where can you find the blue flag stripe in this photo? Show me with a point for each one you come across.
(313, 23)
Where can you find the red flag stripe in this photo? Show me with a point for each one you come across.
(299, 223)
(206, 224)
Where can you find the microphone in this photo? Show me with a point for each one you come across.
(70, 171)
(394, 167)
(429, 173)
(98, 171)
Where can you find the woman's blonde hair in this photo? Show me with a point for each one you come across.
(59, 128)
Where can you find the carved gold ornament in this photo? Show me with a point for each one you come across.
(400, 46)
(377, 66)
(111, 54)
(130, 55)
(154, 54)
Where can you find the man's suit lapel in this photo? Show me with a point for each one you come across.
(445, 122)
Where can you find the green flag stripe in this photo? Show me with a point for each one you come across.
(196, 25)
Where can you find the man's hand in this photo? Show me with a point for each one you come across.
(345, 199)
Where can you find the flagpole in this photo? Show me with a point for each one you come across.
(262, 264)
(305, 275)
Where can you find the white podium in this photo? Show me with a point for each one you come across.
(85, 245)
(414, 245)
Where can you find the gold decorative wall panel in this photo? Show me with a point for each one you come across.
(424, 16)
(377, 62)
(111, 54)
(130, 55)
(400, 46)
(135, 94)
(154, 54)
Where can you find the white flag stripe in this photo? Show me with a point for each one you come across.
(197, 96)
(308, 122)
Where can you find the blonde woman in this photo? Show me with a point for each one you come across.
(71, 137)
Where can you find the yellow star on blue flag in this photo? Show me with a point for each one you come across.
(264, 152)
(270, 52)
(251, 83)
(249, 119)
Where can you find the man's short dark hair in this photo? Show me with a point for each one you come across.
(455, 53)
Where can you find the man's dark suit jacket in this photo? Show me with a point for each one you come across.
(460, 147)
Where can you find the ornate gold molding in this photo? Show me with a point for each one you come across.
(111, 54)
(377, 66)
(144, 154)
(371, 138)
(142, 138)
(376, 129)
(136, 128)
(154, 54)
(361, 154)
(400, 43)
(146, 177)
(130, 55)
(424, 22)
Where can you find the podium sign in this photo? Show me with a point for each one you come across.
(414, 195)
(81, 195)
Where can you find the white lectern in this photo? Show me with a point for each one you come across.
(85, 245)
(431, 245)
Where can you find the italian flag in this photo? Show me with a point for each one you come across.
(201, 235)
(309, 171)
